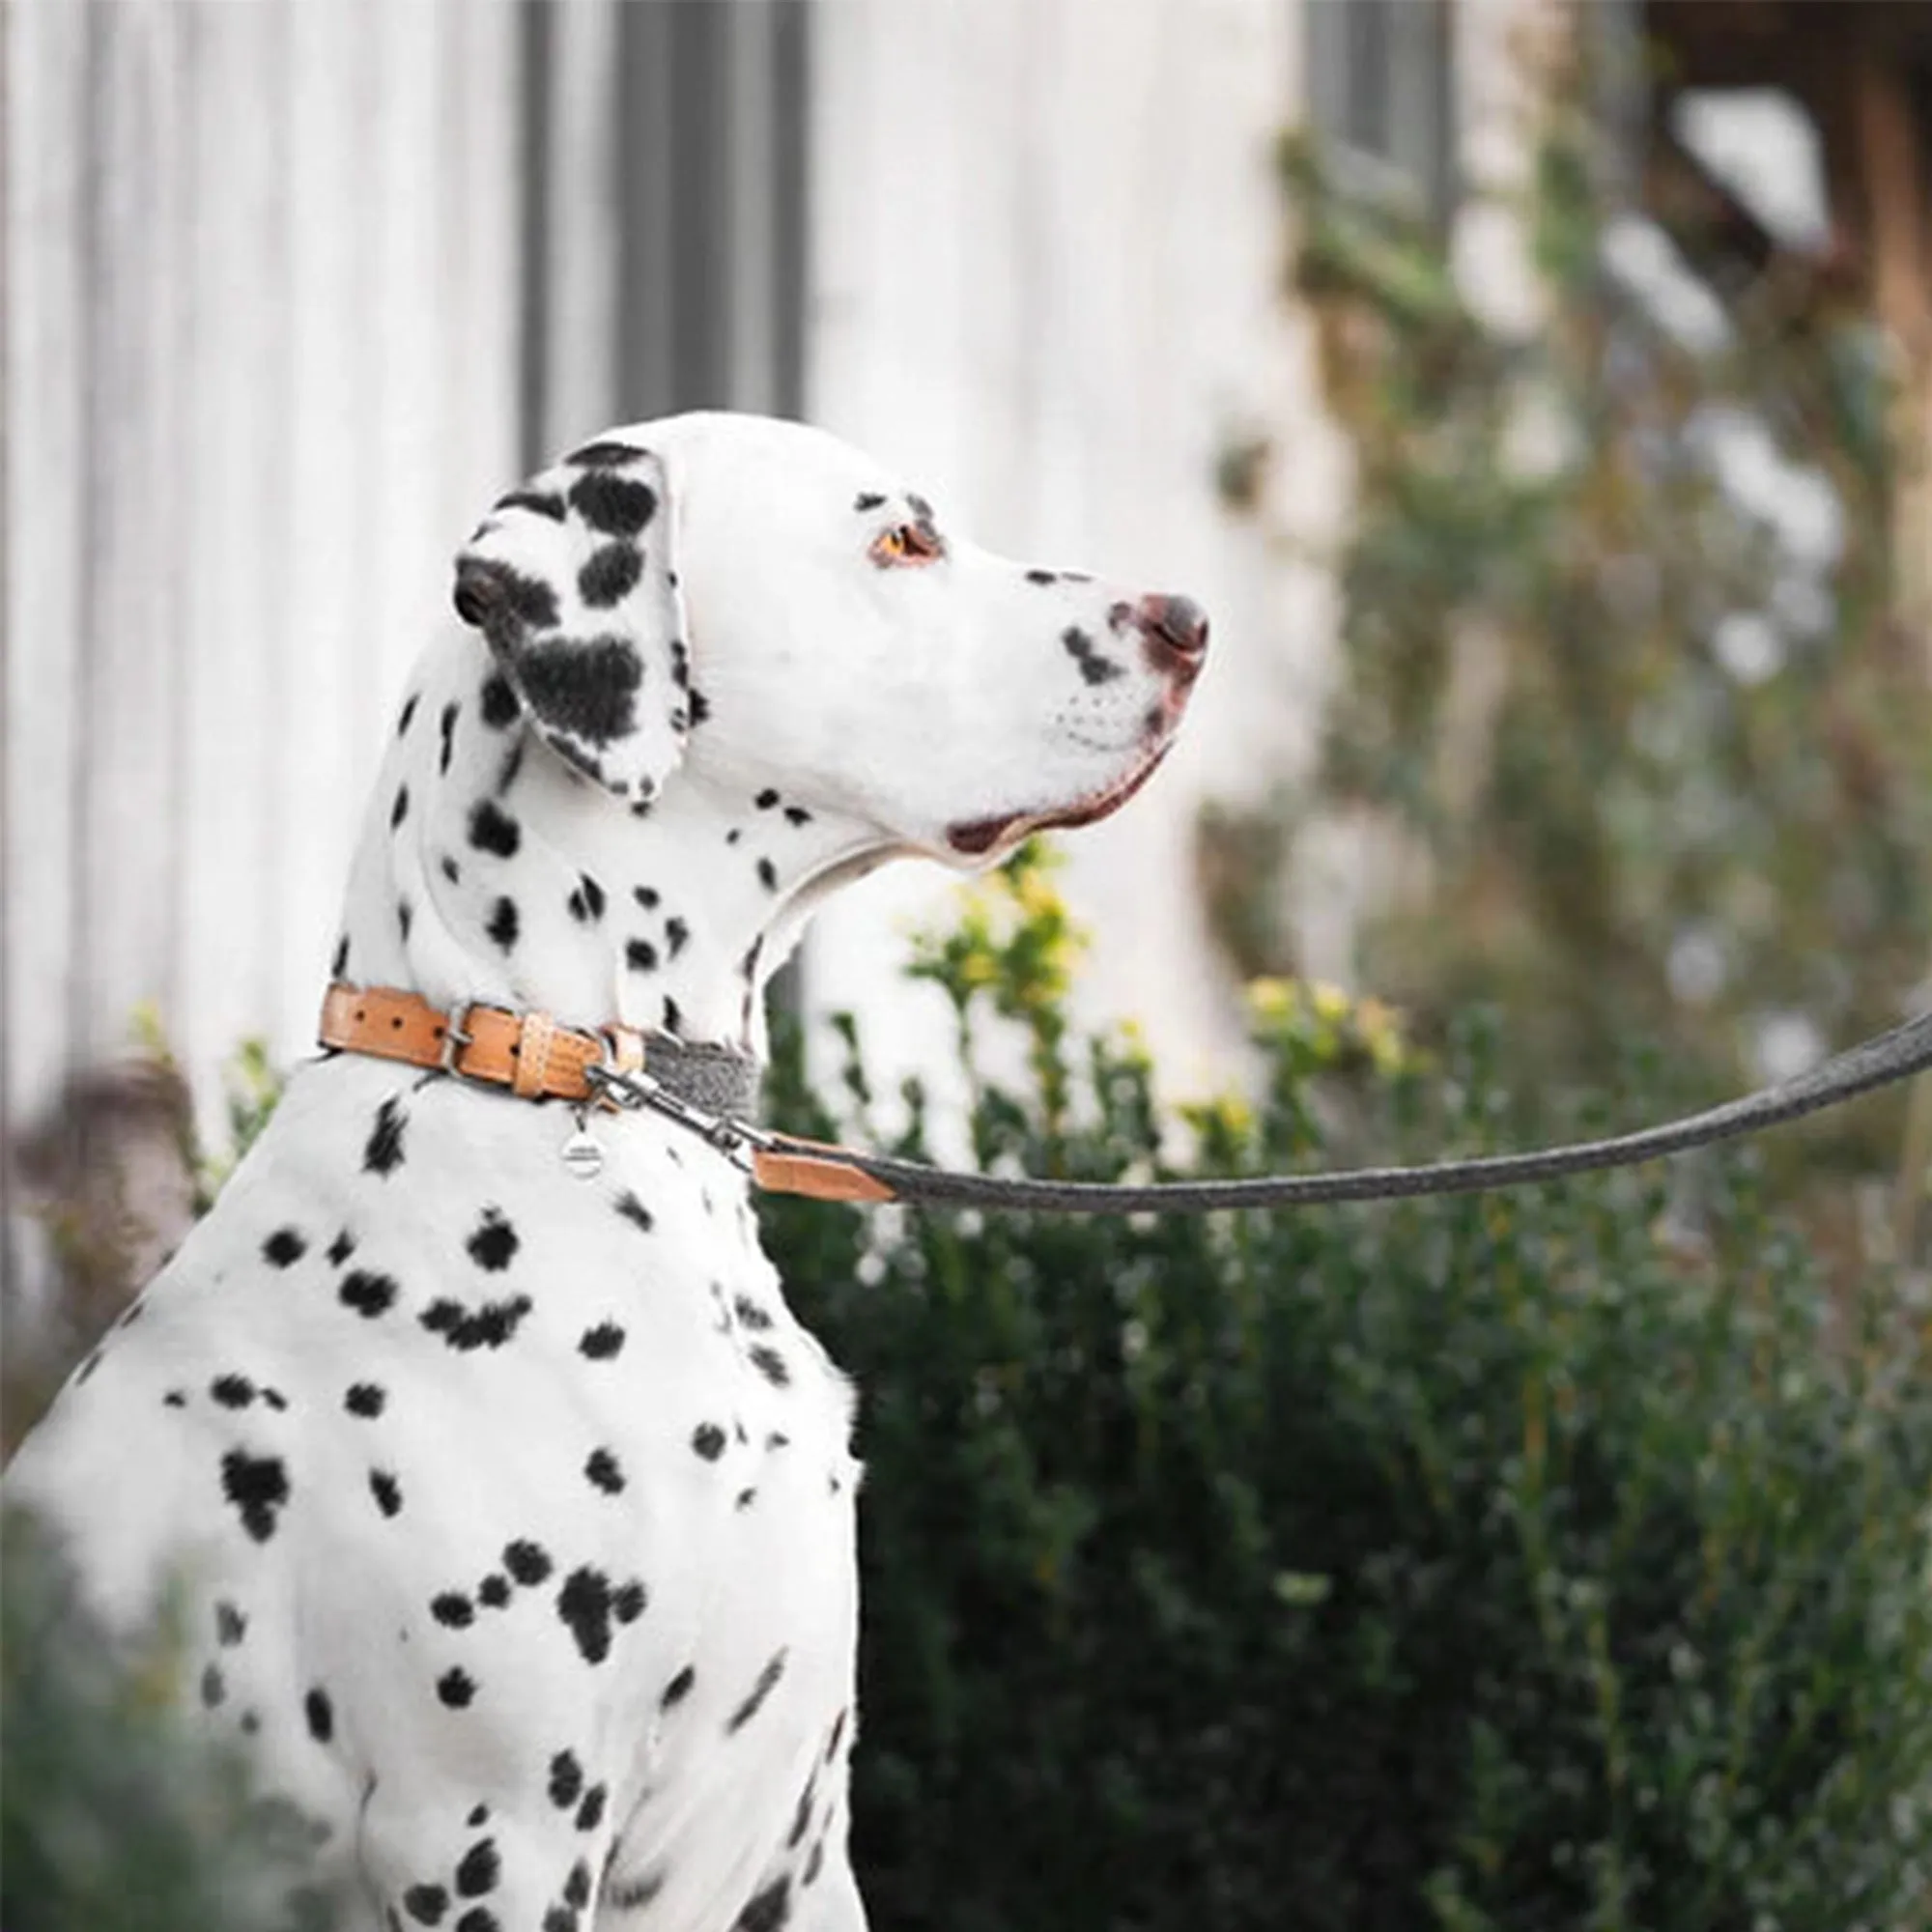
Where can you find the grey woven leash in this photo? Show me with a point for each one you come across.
(784, 1161)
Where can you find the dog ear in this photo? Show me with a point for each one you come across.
(572, 581)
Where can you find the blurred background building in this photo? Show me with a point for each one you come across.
(293, 290)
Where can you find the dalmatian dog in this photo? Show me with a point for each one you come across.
(509, 1510)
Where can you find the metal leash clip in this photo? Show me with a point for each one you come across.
(632, 1093)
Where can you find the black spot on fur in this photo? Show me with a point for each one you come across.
(767, 1682)
(488, 591)
(700, 709)
(284, 1248)
(677, 936)
(867, 500)
(364, 1399)
(590, 1813)
(1043, 577)
(627, 1601)
(814, 1864)
(587, 902)
(487, 1326)
(320, 1714)
(386, 1490)
(746, 1498)
(479, 1869)
(408, 712)
(478, 1919)
(453, 1609)
(632, 1894)
(450, 870)
(751, 1314)
(607, 454)
(769, 1364)
(583, 1607)
(426, 1903)
(174, 1398)
(602, 1472)
(499, 702)
(708, 1440)
(384, 1152)
(803, 1817)
(766, 799)
(539, 503)
(566, 1781)
(673, 1015)
(767, 1910)
(232, 1391)
(634, 1211)
(503, 922)
(768, 875)
(491, 829)
(641, 955)
(620, 506)
(338, 963)
(587, 690)
(602, 1342)
(796, 814)
(342, 1247)
(456, 1686)
(480, 1814)
(404, 917)
(494, 1592)
(678, 1688)
(447, 726)
(1081, 648)
(838, 1734)
(494, 1244)
(527, 1562)
(611, 575)
(213, 1686)
(646, 897)
(369, 1294)
(400, 809)
(513, 763)
(576, 1887)
(230, 1625)
(258, 1486)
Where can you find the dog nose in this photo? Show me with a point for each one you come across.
(1176, 629)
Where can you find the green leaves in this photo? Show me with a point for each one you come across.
(1509, 1562)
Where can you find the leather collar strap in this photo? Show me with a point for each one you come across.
(531, 1053)
(711, 1089)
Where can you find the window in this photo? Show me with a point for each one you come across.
(1380, 95)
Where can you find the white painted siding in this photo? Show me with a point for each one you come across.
(261, 286)
(262, 370)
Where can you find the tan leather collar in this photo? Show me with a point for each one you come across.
(529, 1053)
(533, 1056)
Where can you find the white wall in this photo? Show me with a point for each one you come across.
(261, 341)
(1049, 256)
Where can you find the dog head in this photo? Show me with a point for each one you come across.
(759, 601)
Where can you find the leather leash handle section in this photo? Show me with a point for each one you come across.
(819, 1171)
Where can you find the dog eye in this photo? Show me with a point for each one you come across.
(907, 543)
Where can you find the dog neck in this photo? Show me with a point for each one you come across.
(489, 871)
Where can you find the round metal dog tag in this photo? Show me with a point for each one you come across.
(582, 1156)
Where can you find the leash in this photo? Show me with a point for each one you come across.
(620, 1068)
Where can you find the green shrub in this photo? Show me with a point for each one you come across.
(112, 1817)
(1500, 1562)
